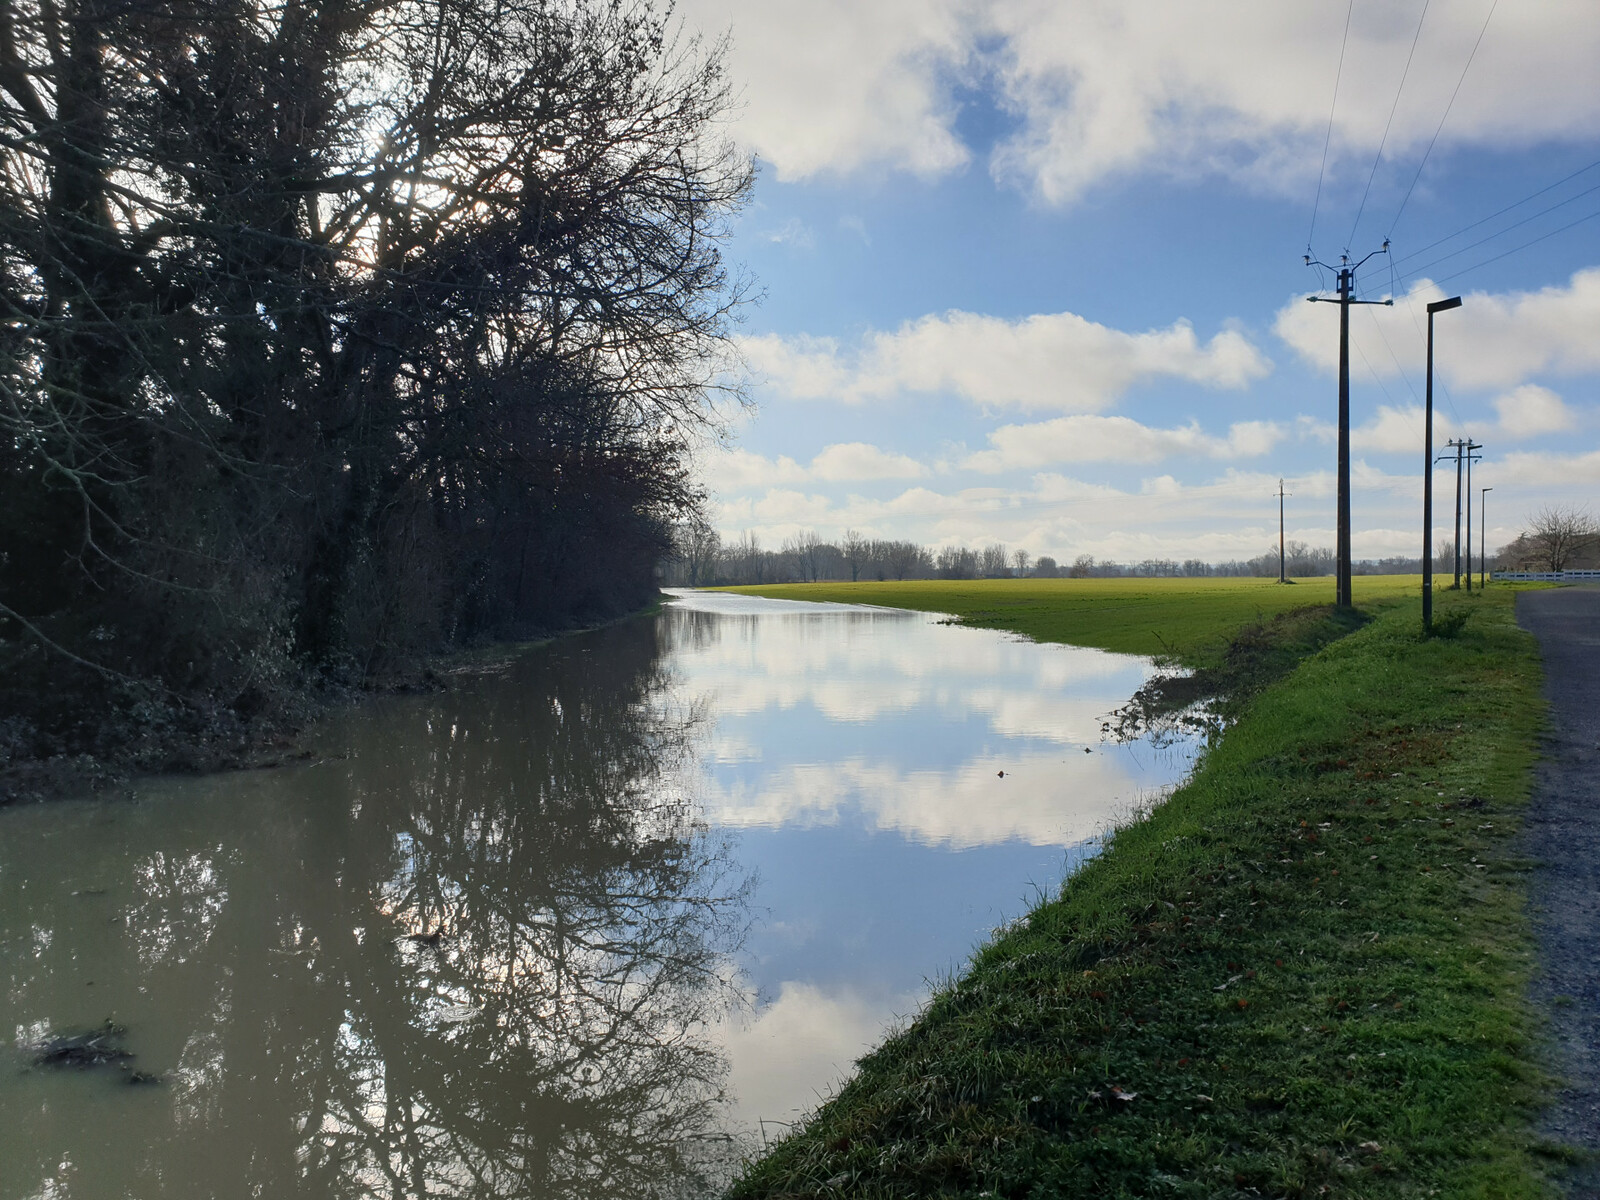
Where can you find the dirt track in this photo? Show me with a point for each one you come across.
(1563, 836)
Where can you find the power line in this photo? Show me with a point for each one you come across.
(1375, 377)
(1395, 358)
(1448, 106)
(1498, 212)
(1328, 140)
(1515, 249)
(1393, 108)
(1500, 232)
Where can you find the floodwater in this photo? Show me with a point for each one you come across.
(593, 923)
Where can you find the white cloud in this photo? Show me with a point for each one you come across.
(1531, 410)
(1491, 341)
(1101, 87)
(1525, 412)
(739, 470)
(852, 461)
(1243, 88)
(1047, 361)
(734, 470)
(799, 365)
(1079, 439)
(1539, 473)
(833, 86)
(1397, 431)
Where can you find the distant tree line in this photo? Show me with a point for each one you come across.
(338, 331)
(701, 558)
(1557, 538)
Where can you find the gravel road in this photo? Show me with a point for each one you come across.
(1563, 837)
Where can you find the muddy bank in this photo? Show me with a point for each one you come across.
(1179, 703)
(68, 732)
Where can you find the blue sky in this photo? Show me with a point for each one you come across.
(1032, 269)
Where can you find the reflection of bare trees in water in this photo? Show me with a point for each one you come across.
(563, 927)
(483, 957)
(697, 629)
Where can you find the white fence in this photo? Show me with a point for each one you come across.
(1555, 576)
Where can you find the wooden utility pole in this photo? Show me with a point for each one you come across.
(1344, 299)
(1471, 446)
(1463, 448)
(1282, 578)
(1456, 444)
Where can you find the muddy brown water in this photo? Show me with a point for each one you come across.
(594, 923)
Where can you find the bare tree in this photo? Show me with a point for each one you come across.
(856, 550)
(1019, 562)
(905, 559)
(1559, 532)
(699, 547)
(807, 549)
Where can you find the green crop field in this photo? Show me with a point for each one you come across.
(1190, 620)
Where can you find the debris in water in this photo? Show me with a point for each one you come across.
(94, 1048)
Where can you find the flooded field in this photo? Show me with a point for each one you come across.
(593, 923)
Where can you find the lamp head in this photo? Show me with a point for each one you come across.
(1442, 305)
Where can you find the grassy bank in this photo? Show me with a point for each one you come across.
(1300, 976)
(1190, 620)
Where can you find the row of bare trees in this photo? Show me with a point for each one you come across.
(1557, 538)
(700, 557)
(332, 331)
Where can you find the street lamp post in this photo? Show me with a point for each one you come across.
(1427, 474)
(1483, 537)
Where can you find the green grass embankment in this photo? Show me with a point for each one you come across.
(1188, 620)
(1302, 975)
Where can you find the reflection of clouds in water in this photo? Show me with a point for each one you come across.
(793, 1053)
(725, 747)
(1044, 799)
(858, 666)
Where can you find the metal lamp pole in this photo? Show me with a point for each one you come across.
(1483, 538)
(1427, 474)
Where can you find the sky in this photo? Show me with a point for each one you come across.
(1031, 271)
